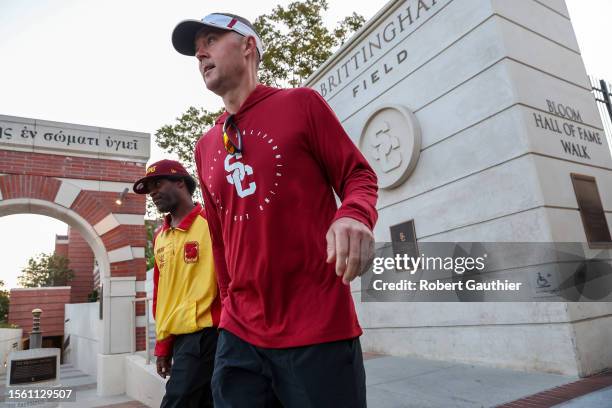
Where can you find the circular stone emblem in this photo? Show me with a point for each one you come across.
(391, 141)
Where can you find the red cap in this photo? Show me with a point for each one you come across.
(162, 168)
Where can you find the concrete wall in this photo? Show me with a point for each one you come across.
(10, 340)
(474, 86)
(85, 330)
(142, 382)
(480, 77)
(149, 294)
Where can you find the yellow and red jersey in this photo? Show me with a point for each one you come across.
(185, 294)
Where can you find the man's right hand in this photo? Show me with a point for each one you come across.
(164, 364)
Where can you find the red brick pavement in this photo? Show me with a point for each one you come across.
(563, 393)
(369, 356)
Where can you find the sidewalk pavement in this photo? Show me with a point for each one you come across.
(410, 382)
(601, 398)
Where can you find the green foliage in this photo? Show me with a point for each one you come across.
(151, 211)
(297, 42)
(46, 270)
(93, 296)
(150, 226)
(4, 304)
(182, 137)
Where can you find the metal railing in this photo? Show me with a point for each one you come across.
(147, 347)
(602, 92)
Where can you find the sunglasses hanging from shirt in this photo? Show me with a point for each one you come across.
(233, 145)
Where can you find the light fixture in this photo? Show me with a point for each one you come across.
(119, 200)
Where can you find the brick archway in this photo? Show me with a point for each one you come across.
(76, 173)
(118, 226)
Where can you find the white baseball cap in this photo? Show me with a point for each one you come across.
(183, 36)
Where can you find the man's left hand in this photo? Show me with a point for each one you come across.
(351, 245)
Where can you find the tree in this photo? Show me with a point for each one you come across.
(182, 137)
(297, 43)
(151, 226)
(46, 270)
(4, 303)
(93, 296)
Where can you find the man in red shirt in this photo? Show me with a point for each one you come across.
(285, 254)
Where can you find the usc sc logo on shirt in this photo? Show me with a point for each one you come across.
(237, 172)
(191, 252)
(241, 175)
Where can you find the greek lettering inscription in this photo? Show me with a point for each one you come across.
(6, 133)
(27, 133)
(64, 138)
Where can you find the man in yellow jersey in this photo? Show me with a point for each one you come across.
(186, 304)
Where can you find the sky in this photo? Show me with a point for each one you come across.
(110, 63)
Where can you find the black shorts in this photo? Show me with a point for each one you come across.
(317, 376)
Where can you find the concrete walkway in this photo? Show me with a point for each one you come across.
(402, 382)
(409, 382)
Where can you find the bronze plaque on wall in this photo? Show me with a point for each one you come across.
(403, 239)
(33, 370)
(591, 211)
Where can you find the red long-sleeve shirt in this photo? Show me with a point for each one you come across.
(269, 210)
